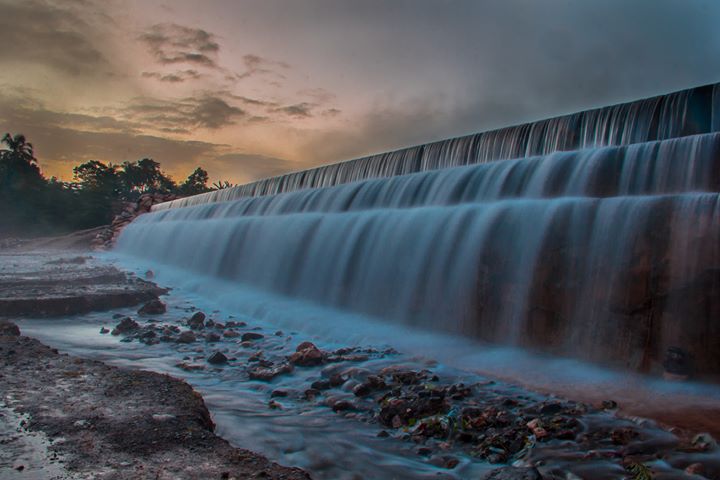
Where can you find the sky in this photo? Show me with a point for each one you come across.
(254, 88)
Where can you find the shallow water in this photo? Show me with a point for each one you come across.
(24, 455)
(310, 435)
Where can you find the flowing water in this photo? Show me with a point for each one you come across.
(331, 446)
(594, 236)
(586, 253)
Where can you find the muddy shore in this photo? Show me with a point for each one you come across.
(113, 423)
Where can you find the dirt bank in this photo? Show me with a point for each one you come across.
(112, 423)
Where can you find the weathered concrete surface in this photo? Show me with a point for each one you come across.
(46, 285)
(114, 423)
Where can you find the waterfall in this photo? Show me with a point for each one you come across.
(609, 252)
(682, 113)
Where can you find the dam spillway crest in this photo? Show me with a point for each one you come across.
(594, 235)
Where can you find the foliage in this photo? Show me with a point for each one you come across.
(34, 205)
(195, 183)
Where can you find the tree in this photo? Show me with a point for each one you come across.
(18, 166)
(195, 183)
(222, 184)
(97, 176)
(145, 176)
(19, 148)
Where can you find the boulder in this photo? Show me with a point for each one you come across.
(268, 373)
(126, 325)
(186, 337)
(197, 321)
(9, 329)
(217, 358)
(251, 336)
(153, 307)
(307, 354)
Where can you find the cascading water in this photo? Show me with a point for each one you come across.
(607, 253)
(688, 112)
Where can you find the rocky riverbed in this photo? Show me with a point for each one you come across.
(338, 410)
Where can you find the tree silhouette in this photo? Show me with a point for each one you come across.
(18, 166)
(33, 205)
(145, 176)
(195, 183)
(18, 147)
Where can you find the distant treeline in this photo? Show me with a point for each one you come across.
(30, 204)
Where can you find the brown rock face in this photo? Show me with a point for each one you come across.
(106, 239)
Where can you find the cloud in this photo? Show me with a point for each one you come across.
(257, 65)
(176, 77)
(41, 33)
(331, 112)
(206, 111)
(299, 110)
(170, 43)
(250, 166)
(63, 140)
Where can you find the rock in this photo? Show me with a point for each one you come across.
(609, 405)
(343, 406)
(678, 364)
(424, 451)
(336, 380)
(126, 325)
(383, 434)
(9, 329)
(104, 330)
(537, 428)
(149, 274)
(251, 336)
(212, 337)
(307, 354)
(513, 473)
(372, 383)
(305, 345)
(189, 367)
(186, 337)
(153, 307)
(446, 461)
(321, 385)
(197, 321)
(273, 405)
(311, 394)
(402, 410)
(279, 393)
(217, 358)
(268, 373)
(230, 334)
(551, 408)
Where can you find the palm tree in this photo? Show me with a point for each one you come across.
(19, 148)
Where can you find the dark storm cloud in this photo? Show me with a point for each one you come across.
(487, 64)
(170, 43)
(55, 36)
(176, 77)
(205, 111)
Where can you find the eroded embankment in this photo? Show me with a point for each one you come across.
(114, 423)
